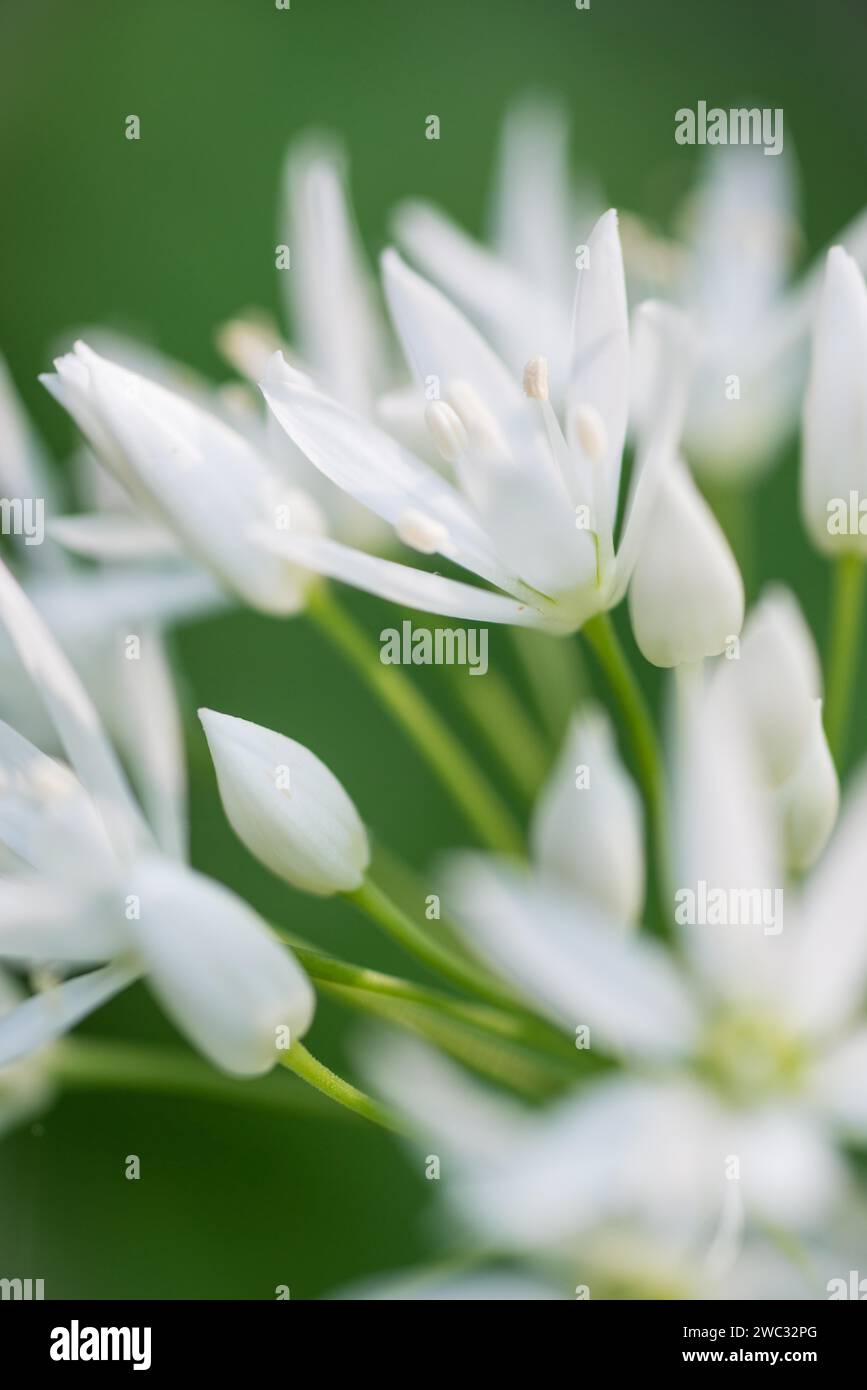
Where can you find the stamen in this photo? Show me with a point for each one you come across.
(482, 429)
(421, 532)
(591, 432)
(447, 430)
(536, 379)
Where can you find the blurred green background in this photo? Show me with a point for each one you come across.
(169, 236)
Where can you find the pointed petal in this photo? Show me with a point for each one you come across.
(75, 718)
(218, 971)
(45, 922)
(45, 1017)
(376, 470)
(567, 958)
(112, 536)
(588, 824)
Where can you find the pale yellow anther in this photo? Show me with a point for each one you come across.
(421, 532)
(591, 432)
(536, 379)
(446, 430)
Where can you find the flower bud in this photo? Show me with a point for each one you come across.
(286, 806)
(686, 598)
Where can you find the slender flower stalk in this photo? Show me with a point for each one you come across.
(844, 648)
(298, 1060)
(603, 640)
(467, 786)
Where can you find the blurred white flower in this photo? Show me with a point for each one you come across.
(286, 806)
(686, 599)
(533, 512)
(747, 1043)
(834, 453)
(88, 885)
(588, 823)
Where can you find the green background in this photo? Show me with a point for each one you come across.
(169, 236)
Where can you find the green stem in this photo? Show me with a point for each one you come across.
(321, 1078)
(843, 652)
(552, 668)
(601, 636)
(467, 786)
(90, 1064)
(401, 928)
(524, 1030)
(503, 722)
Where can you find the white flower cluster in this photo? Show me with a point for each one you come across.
(692, 1072)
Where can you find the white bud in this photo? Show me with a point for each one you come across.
(809, 801)
(446, 430)
(834, 454)
(308, 832)
(777, 679)
(686, 598)
(592, 835)
(536, 379)
(591, 433)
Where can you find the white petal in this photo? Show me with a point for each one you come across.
(809, 801)
(686, 597)
(830, 968)
(45, 1017)
(43, 921)
(218, 971)
(599, 374)
(75, 718)
(443, 1104)
(569, 959)
(840, 1085)
(588, 824)
(332, 298)
(46, 818)
(286, 806)
(112, 536)
(429, 593)
(375, 469)
(834, 455)
(140, 706)
(184, 468)
(777, 676)
(509, 309)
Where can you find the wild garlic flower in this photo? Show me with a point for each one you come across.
(531, 510)
(743, 1050)
(86, 884)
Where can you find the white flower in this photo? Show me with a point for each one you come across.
(188, 472)
(286, 806)
(748, 1041)
(686, 599)
(91, 887)
(532, 512)
(588, 823)
(834, 455)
